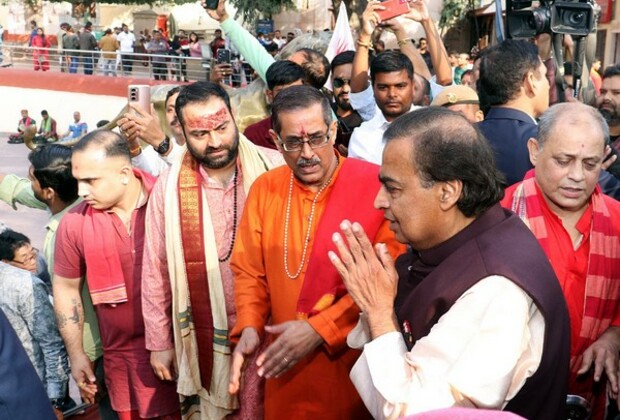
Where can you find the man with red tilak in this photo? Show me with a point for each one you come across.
(193, 215)
(287, 293)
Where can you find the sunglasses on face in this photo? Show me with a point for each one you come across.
(338, 82)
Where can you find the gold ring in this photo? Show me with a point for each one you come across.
(81, 384)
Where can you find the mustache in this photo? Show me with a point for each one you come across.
(303, 162)
(215, 150)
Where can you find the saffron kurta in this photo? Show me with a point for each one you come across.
(318, 386)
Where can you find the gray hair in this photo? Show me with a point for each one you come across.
(569, 114)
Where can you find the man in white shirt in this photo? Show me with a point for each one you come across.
(391, 75)
(127, 41)
(277, 38)
(473, 315)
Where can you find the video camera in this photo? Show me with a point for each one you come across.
(526, 19)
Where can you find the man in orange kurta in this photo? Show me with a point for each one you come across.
(283, 276)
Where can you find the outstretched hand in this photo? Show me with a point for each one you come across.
(295, 340)
(370, 17)
(418, 11)
(247, 345)
(603, 355)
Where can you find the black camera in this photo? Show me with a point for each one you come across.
(576, 18)
(526, 19)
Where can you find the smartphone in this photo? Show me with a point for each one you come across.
(223, 56)
(211, 4)
(393, 8)
(140, 95)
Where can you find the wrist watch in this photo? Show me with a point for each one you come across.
(164, 146)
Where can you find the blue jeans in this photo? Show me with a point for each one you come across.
(73, 64)
(88, 63)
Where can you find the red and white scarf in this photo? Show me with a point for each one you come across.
(602, 291)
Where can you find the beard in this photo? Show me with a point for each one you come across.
(345, 104)
(611, 117)
(208, 162)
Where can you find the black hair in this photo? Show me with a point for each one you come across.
(199, 92)
(51, 164)
(316, 66)
(389, 62)
(271, 47)
(112, 143)
(611, 71)
(171, 92)
(283, 72)
(44, 112)
(345, 57)
(11, 241)
(503, 69)
(447, 147)
(297, 98)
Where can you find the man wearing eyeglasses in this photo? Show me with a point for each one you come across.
(348, 118)
(24, 298)
(17, 251)
(280, 75)
(287, 294)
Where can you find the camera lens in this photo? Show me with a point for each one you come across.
(575, 19)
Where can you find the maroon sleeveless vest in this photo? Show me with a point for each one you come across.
(496, 243)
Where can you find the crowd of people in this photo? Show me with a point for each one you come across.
(422, 239)
(120, 51)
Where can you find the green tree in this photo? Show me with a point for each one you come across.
(251, 10)
(453, 11)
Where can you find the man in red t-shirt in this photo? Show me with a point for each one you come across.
(578, 227)
(102, 238)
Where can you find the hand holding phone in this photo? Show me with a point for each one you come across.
(211, 4)
(393, 8)
(223, 56)
(140, 95)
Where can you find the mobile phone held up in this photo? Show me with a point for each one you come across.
(393, 8)
(223, 56)
(140, 95)
(211, 4)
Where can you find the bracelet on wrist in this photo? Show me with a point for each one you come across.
(403, 42)
(364, 44)
(135, 152)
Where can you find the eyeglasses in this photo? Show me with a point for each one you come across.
(34, 253)
(315, 142)
(338, 82)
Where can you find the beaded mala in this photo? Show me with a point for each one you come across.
(311, 217)
(234, 232)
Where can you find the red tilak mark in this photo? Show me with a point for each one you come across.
(208, 122)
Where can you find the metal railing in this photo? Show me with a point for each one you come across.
(117, 64)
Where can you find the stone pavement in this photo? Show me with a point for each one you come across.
(30, 222)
